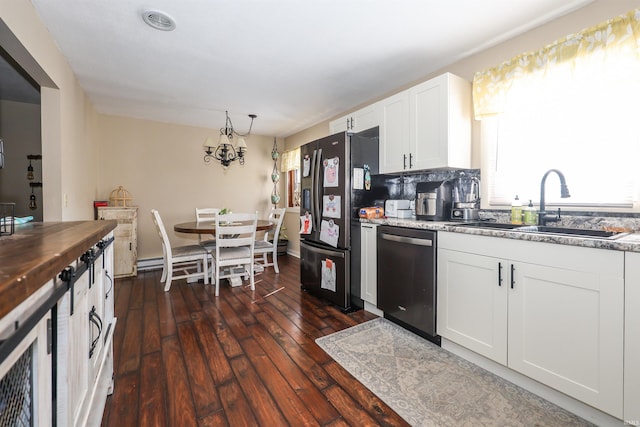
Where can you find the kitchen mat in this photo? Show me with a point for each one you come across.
(429, 386)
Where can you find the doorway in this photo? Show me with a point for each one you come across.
(20, 131)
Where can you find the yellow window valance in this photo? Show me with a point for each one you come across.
(290, 160)
(491, 87)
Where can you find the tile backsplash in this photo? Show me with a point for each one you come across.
(404, 186)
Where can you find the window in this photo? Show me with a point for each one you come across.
(293, 188)
(291, 166)
(569, 106)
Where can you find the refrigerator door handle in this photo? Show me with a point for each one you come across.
(316, 189)
(328, 252)
(313, 187)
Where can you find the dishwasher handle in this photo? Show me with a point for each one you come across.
(404, 239)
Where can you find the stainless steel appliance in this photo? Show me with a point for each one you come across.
(433, 200)
(464, 213)
(333, 190)
(407, 278)
(466, 199)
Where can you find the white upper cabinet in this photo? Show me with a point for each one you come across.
(440, 120)
(436, 132)
(357, 121)
(395, 151)
(425, 127)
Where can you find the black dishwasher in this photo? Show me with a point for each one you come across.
(407, 278)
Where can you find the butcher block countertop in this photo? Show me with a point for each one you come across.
(39, 251)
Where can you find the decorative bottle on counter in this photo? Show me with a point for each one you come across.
(530, 215)
(516, 211)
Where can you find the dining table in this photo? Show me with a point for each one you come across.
(209, 227)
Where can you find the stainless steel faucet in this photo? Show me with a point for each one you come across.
(543, 216)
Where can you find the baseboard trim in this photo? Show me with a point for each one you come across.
(373, 309)
(149, 264)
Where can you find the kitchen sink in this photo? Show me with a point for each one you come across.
(543, 229)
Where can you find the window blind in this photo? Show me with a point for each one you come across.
(569, 106)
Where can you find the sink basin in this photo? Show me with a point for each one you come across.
(544, 229)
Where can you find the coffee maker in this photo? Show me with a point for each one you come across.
(466, 199)
(433, 200)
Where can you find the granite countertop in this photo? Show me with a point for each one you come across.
(39, 251)
(629, 242)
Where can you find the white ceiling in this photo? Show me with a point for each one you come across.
(294, 63)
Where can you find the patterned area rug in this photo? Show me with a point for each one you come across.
(428, 386)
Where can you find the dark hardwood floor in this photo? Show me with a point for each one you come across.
(245, 358)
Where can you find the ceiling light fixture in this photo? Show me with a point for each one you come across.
(158, 20)
(225, 151)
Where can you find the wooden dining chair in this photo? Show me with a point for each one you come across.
(206, 214)
(269, 244)
(191, 260)
(233, 253)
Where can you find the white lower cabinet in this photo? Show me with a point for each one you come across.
(84, 352)
(632, 339)
(472, 308)
(368, 263)
(551, 312)
(73, 350)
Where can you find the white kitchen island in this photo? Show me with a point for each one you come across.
(57, 322)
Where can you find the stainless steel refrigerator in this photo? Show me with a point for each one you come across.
(335, 183)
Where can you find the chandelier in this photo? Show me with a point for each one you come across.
(225, 151)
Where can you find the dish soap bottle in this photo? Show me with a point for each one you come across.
(516, 211)
(530, 215)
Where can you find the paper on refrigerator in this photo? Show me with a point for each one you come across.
(306, 223)
(328, 280)
(329, 232)
(331, 206)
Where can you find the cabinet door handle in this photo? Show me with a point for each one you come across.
(130, 246)
(410, 160)
(513, 280)
(106, 274)
(499, 274)
(97, 321)
(404, 161)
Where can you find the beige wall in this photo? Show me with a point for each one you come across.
(596, 12)
(162, 166)
(67, 146)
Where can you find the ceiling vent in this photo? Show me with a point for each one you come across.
(158, 20)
